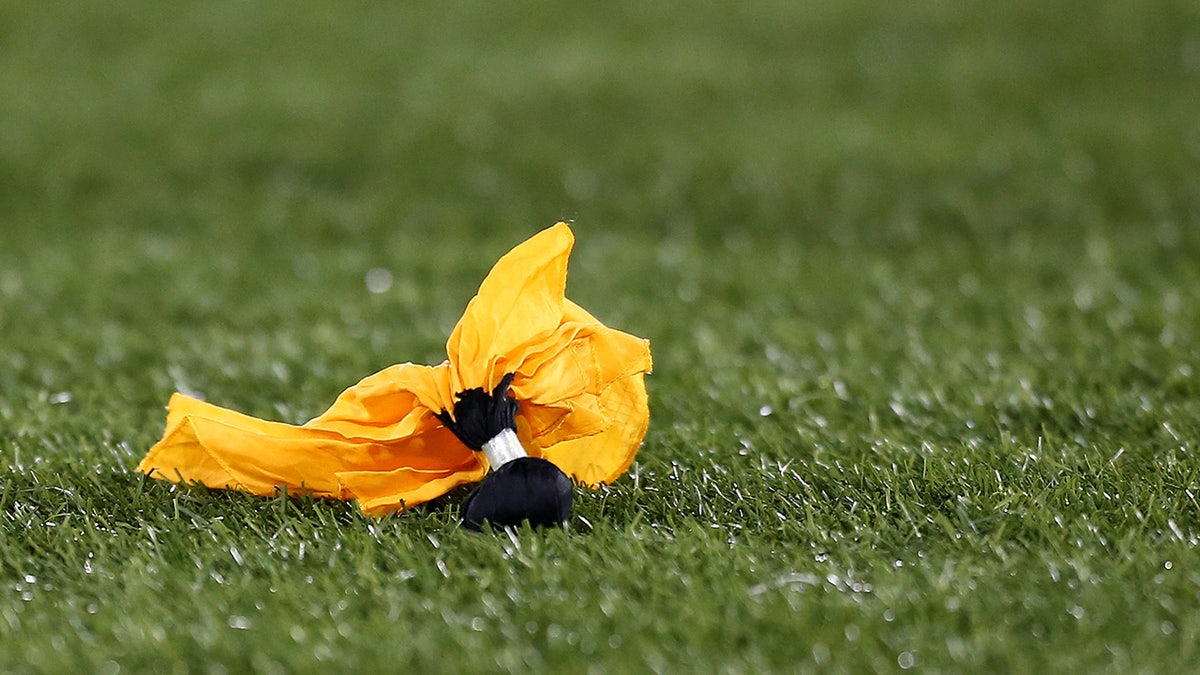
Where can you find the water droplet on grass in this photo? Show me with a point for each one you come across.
(378, 280)
(820, 653)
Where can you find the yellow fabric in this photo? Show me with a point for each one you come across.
(580, 385)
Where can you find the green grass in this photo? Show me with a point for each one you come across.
(923, 286)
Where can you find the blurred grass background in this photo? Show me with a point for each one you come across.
(922, 284)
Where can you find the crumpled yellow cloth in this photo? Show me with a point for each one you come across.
(580, 386)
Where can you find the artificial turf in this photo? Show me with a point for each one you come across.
(922, 283)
